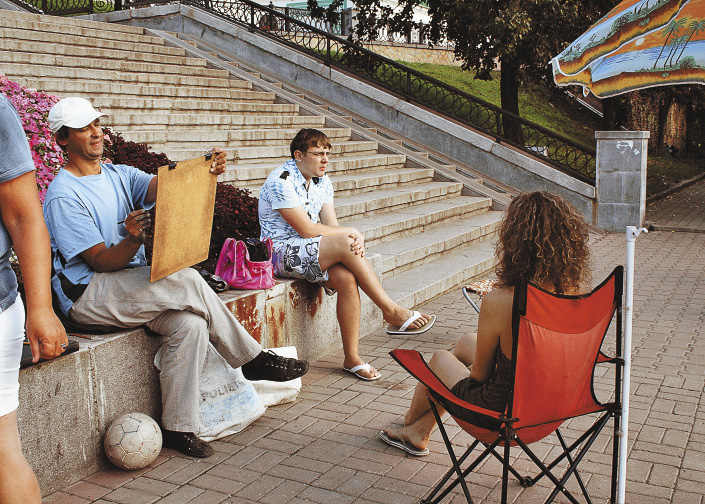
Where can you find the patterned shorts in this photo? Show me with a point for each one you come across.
(298, 258)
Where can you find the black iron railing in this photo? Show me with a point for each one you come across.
(72, 7)
(26, 5)
(504, 127)
(304, 15)
(415, 87)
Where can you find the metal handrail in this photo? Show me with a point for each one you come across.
(27, 6)
(69, 7)
(503, 126)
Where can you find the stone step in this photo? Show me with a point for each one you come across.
(179, 151)
(233, 138)
(281, 153)
(393, 199)
(367, 181)
(254, 175)
(174, 122)
(237, 90)
(86, 33)
(154, 46)
(69, 25)
(96, 64)
(157, 101)
(23, 49)
(448, 271)
(402, 254)
(206, 107)
(114, 78)
(383, 227)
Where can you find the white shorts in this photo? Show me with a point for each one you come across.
(11, 337)
(298, 258)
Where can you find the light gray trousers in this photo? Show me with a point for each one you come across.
(182, 307)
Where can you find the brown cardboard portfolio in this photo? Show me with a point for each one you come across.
(184, 216)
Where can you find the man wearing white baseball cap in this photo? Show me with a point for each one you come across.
(97, 215)
(73, 112)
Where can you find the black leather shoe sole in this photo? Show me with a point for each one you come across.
(187, 443)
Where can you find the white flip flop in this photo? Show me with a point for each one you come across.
(362, 367)
(399, 443)
(404, 328)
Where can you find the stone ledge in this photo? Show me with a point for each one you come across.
(66, 404)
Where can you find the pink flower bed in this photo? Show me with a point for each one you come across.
(33, 107)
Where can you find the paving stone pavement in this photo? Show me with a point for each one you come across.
(323, 448)
(681, 211)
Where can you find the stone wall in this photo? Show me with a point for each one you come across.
(414, 53)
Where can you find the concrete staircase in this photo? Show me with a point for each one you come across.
(428, 223)
(182, 105)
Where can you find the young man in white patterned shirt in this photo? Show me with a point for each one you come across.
(296, 211)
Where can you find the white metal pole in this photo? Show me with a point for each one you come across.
(632, 233)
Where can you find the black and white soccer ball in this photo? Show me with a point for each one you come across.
(133, 441)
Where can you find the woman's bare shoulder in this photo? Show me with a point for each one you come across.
(499, 297)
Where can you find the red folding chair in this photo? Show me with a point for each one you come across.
(557, 343)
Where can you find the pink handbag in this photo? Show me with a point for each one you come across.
(236, 268)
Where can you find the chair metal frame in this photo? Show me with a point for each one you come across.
(506, 433)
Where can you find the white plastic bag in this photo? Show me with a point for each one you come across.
(229, 402)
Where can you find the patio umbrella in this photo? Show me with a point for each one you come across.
(638, 44)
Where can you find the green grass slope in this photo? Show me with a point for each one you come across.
(557, 112)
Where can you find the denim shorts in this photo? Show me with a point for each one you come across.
(11, 337)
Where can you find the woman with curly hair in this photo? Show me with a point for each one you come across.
(542, 240)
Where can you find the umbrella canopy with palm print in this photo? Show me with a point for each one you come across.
(638, 44)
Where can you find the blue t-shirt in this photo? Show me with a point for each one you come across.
(15, 160)
(82, 212)
(286, 188)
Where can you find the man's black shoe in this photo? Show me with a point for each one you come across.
(270, 366)
(187, 443)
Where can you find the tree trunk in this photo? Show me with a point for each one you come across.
(609, 114)
(674, 133)
(509, 96)
(643, 115)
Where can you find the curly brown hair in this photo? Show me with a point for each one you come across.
(543, 240)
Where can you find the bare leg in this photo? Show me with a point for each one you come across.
(18, 485)
(336, 249)
(348, 310)
(419, 421)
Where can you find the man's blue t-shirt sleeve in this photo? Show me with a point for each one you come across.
(74, 229)
(139, 184)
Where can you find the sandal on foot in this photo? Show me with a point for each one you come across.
(401, 444)
(270, 366)
(362, 367)
(404, 328)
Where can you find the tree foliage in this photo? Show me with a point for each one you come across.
(519, 35)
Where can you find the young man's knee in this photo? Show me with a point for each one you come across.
(339, 244)
(342, 278)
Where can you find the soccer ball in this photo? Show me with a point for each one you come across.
(133, 441)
